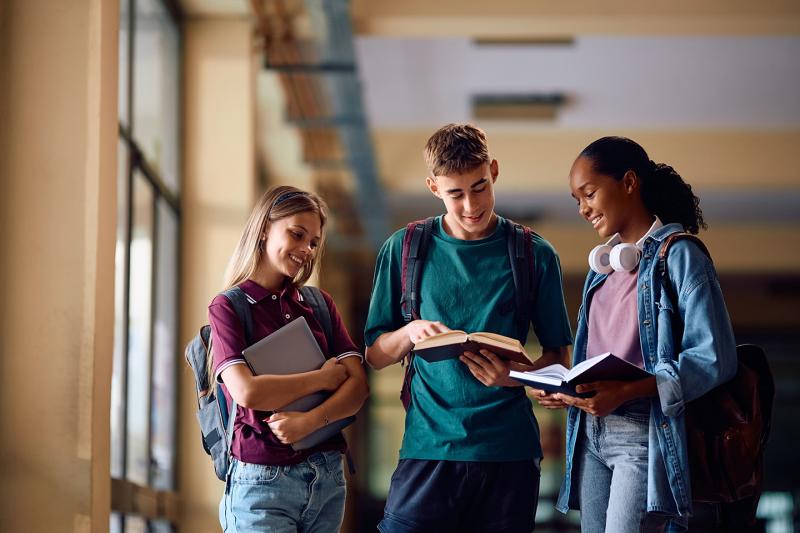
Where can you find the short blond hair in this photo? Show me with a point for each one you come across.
(456, 149)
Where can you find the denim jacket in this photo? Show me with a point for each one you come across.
(700, 355)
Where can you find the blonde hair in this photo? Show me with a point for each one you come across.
(277, 203)
(456, 149)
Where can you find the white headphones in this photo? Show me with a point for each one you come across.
(618, 256)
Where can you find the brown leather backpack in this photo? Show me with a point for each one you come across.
(727, 428)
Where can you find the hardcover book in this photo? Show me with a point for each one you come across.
(451, 344)
(557, 378)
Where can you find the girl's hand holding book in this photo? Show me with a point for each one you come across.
(608, 396)
(291, 426)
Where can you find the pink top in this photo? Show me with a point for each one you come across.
(614, 319)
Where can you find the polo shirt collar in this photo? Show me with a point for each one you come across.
(255, 292)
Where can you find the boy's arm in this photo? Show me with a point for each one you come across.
(388, 339)
(492, 370)
(391, 347)
(552, 356)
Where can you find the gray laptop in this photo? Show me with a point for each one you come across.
(293, 350)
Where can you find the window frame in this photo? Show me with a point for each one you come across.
(127, 497)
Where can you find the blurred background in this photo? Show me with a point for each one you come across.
(135, 136)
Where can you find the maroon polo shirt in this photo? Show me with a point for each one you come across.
(253, 441)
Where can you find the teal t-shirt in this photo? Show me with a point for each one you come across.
(468, 285)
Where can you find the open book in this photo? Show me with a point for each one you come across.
(557, 378)
(292, 350)
(451, 344)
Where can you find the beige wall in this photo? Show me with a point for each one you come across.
(58, 103)
(218, 192)
(542, 18)
(538, 160)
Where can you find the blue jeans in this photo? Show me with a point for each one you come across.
(461, 497)
(307, 497)
(612, 469)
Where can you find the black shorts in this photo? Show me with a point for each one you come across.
(460, 496)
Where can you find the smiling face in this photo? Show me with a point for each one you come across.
(292, 242)
(609, 205)
(469, 201)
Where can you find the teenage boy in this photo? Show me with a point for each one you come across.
(470, 454)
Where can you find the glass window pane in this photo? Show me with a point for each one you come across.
(165, 352)
(139, 331)
(156, 85)
(160, 526)
(124, 61)
(115, 523)
(135, 524)
(120, 305)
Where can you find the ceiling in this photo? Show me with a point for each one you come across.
(712, 87)
(609, 81)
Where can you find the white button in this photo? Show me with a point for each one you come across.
(288, 316)
(274, 296)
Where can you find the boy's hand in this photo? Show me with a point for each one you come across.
(420, 329)
(548, 401)
(489, 369)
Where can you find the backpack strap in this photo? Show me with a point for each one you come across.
(415, 247)
(664, 250)
(520, 255)
(319, 306)
(241, 304)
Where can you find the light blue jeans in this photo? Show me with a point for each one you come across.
(612, 466)
(304, 498)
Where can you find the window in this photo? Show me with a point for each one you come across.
(145, 379)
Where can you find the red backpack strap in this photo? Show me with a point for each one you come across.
(677, 236)
(520, 255)
(415, 246)
(664, 250)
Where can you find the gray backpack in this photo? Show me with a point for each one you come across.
(214, 415)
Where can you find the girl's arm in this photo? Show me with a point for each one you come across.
(271, 392)
(292, 426)
(609, 395)
(706, 356)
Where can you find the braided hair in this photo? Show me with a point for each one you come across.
(663, 190)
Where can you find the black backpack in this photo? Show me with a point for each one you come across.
(415, 247)
(727, 428)
(214, 415)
